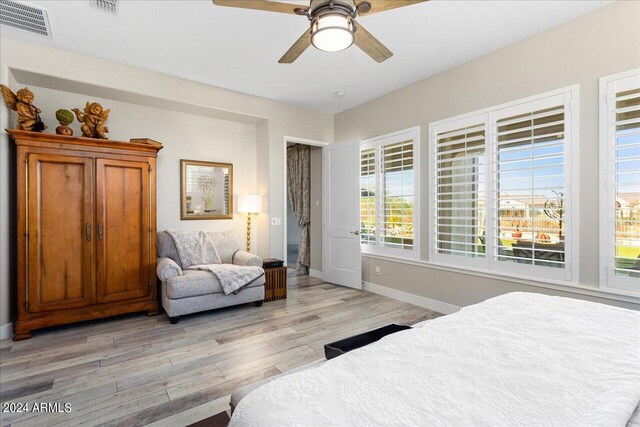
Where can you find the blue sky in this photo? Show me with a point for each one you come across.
(628, 146)
(522, 173)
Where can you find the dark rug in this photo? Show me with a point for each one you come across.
(219, 420)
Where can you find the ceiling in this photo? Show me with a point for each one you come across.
(238, 49)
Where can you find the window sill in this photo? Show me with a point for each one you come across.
(612, 294)
(397, 254)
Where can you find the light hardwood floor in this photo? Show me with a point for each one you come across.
(138, 370)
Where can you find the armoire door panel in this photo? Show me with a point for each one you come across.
(60, 252)
(123, 239)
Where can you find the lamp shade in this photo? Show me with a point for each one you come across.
(332, 32)
(249, 203)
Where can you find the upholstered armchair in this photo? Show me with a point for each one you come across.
(191, 291)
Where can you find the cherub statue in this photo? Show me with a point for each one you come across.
(94, 119)
(22, 102)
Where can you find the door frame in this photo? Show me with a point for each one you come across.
(303, 141)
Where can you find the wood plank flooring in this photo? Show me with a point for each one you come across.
(136, 370)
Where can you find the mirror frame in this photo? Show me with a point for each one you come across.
(183, 190)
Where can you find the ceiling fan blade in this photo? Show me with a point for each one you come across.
(384, 5)
(371, 45)
(296, 50)
(269, 6)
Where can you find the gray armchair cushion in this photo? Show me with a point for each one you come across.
(226, 244)
(167, 268)
(194, 283)
(246, 258)
(194, 248)
(167, 248)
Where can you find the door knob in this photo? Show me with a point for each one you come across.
(355, 233)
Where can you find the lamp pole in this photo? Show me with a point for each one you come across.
(249, 204)
(249, 232)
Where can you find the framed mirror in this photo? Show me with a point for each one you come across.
(206, 190)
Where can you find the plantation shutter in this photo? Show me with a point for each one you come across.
(622, 193)
(389, 179)
(530, 194)
(395, 208)
(226, 194)
(627, 182)
(500, 188)
(459, 211)
(368, 196)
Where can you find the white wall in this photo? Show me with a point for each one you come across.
(253, 128)
(184, 136)
(580, 51)
(316, 210)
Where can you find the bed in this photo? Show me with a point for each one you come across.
(517, 359)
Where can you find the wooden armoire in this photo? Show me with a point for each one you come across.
(86, 211)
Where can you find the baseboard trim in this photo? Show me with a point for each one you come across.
(315, 273)
(431, 304)
(6, 331)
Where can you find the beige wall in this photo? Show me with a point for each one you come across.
(184, 136)
(581, 51)
(225, 124)
(262, 221)
(316, 211)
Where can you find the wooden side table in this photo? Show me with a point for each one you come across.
(275, 287)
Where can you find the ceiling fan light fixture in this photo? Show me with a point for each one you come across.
(332, 32)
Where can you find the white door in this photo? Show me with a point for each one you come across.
(341, 215)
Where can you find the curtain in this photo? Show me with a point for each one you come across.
(299, 188)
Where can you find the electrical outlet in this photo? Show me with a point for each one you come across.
(276, 221)
(377, 270)
(317, 203)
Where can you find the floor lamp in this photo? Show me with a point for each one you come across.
(249, 204)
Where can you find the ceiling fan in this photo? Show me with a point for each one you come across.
(333, 24)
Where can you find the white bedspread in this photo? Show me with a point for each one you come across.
(514, 360)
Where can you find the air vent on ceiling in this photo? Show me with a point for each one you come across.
(110, 6)
(25, 17)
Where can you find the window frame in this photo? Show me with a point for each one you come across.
(569, 96)
(609, 86)
(377, 143)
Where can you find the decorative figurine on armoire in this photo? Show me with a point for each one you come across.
(22, 102)
(65, 117)
(94, 119)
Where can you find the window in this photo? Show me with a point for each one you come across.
(530, 186)
(460, 192)
(620, 177)
(389, 198)
(501, 188)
